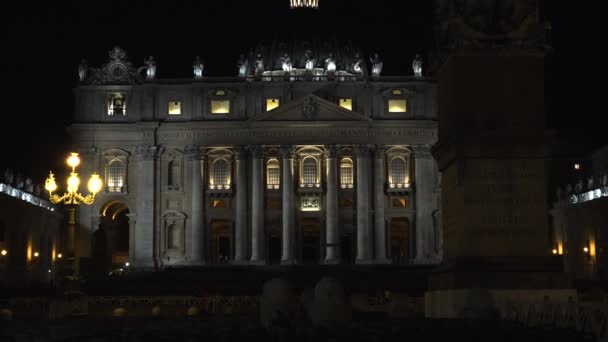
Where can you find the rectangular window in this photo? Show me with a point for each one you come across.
(273, 178)
(175, 107)
(220, 106)
(271, 104)
(346, 103)
(397, 106)
(117, 104)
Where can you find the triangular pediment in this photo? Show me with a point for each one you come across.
(310, 108)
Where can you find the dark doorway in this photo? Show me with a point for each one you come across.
(220, 241)
(311, 240)
(400, 241)
(346, 248)
(111, 240)
(274, 248)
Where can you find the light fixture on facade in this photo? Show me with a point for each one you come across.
(36, 254)
(4, 252)
(60, 255)
(554, 251)
(577, 166)
(304, 3)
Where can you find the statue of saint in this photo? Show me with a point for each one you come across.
(330, 64)
(82, 70)
(118, 106)
(358, 65)
(259, 65)
(9, 176)
(286, 63)
(197, 68)
(242, 64)
(417, 66)
(150, 68)
(376, 65)
(309, 59)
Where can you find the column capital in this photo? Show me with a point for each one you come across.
(148, 152)
(257, 151)
(379, 151)
(240, 152)
(362, 151)
(330, 151)
(288, 151)
(195, 152)
(422, 151)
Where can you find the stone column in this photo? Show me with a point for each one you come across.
(240, 236)
(143, 237)
(424, 185)
(363, 232)
(257, 206)
(379, 199)
(196, 158)
(288, 255)
(332, 254)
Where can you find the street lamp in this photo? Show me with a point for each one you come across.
(72, 197)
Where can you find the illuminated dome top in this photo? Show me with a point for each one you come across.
(304, 3)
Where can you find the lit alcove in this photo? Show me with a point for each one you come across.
(117, 104)
(272, 104)
(346, 104)
(397, 105)
(175, 107)
(220, 106)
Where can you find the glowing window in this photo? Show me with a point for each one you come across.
(396, 92)
(272, 174)
(220, 93)
(272, 104)
(221, 175)
(116, 173)
(346, 103)
(117, 104)
(346, 173)
(175, 108)
(220, 106)
(397, 106)
(397, 172)
(309, 171)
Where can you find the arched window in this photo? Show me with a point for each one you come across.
(309, 172)
(346, 173)
(221, 176)
(398, 172)
(272, 174)
(173, 237)
(116, 174)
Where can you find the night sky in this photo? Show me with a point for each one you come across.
(44, 42)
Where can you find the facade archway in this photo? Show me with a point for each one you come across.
(311, 240)
(111, 241)
(221, 241)
(400, 240)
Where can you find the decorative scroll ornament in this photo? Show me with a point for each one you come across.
(118, 70)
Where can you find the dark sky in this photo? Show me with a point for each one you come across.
(46, 40)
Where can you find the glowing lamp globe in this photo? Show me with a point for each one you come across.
(94, 184)
(73, 182)
(73, 160)
(49, 184)
(304, 3)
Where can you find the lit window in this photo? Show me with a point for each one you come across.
(346, 103)
(221, 177)
(396, 92)
(220, 106)
(577, 166)
(117, 104)
(116, 173)
(397, 106)
(309, 172)
(220, 93)
(346, 173)
(272, 174)
(271, 104)
(175, 108)
(397, 173)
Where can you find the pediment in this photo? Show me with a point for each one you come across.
(310, 108)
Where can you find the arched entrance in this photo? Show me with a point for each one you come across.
(111, 240)
(400, 240)
(220, 241)
(311, 240)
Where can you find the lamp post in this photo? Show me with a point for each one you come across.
(73, 198)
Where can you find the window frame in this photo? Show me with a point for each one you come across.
(352, 173)
(110, 156)
(273, 186)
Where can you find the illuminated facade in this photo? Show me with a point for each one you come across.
(278, 167)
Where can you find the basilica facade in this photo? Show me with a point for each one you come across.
(299, 163)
